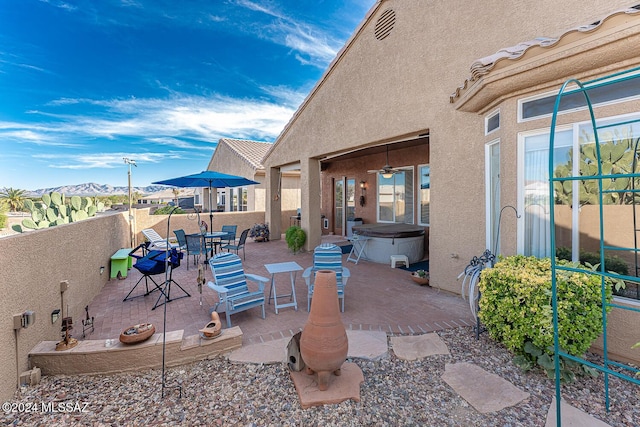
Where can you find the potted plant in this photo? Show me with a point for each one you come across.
(259, 232)
(421, 277)
(295, 238)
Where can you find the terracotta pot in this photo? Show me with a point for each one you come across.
(137, 333)
(324, 344)
(423, 281)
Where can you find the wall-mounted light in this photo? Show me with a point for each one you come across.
(363, 191)
(101, 270)
(55, 315)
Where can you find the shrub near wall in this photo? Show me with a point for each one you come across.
(515, 306)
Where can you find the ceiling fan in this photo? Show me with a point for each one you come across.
(387, 170)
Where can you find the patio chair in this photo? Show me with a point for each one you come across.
(151, 263)
(231, 238)
(156, 242)
(196, 246)
(181, 238)
(239, 245)
(230, 282)
(327, 257)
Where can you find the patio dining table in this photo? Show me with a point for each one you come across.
(213, 239)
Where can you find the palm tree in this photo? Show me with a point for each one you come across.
(14, 197)
(176, 193)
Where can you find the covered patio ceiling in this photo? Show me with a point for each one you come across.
(421, 139)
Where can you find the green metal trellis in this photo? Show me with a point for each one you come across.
(625, 372)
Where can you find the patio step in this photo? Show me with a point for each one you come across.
(94, 357)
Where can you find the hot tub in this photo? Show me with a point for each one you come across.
(384, 240)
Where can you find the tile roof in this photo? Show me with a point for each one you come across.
(483, 66)
(252, 152)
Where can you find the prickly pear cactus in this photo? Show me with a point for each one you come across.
(52, 210)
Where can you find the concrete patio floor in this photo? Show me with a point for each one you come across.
(377, 297)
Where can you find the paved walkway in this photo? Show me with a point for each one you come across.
(378, 298)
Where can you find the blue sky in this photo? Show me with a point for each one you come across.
(85, 83)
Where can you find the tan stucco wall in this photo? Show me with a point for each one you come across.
(380, 91)
(33, 264)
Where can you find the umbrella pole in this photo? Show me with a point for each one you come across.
(210, 210)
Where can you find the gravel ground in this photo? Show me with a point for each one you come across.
(395, 392)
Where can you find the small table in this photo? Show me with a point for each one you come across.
(120, 262)
(359, 244)
(213, 235)
(283, 267)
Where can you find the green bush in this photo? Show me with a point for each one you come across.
(515, 307)
(3, 219)
(295, 238)
(166, 210)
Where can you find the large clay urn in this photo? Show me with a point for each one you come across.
(324, 344)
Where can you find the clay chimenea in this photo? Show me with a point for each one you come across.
(324, 344)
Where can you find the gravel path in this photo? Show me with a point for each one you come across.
(395, 392)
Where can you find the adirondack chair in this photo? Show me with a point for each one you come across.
(230, 282)
(327, 257)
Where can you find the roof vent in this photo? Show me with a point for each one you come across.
(385, 24)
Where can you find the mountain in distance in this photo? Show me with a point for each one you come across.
(93, 189)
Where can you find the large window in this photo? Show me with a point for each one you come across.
(395, 197)
(425, 194)
(576, 202)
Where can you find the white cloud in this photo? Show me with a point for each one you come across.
(103, 160)
(168, 120)
(312, 45)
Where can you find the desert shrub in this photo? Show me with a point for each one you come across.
(3, 218)
(515, 307)
(612, 263)
(166, 210)
(295, 238)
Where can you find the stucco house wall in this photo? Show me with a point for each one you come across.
(244, 160)
(380, 91)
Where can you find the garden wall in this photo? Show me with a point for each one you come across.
(33, 264)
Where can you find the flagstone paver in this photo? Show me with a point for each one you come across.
(485, 391)
(571, 417)
(418, 346)
(362, 344)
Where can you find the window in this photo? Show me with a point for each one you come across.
(492, 190)
(576, 202)
(424, 194)
(395, 197)
(543, 106)
(492, 122)
(238, 199)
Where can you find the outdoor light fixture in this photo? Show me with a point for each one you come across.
(101, 269)
(363, 190)
(55, 314)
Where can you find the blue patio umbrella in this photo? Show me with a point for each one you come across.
(211, 179)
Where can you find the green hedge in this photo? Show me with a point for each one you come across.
(515, 306)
